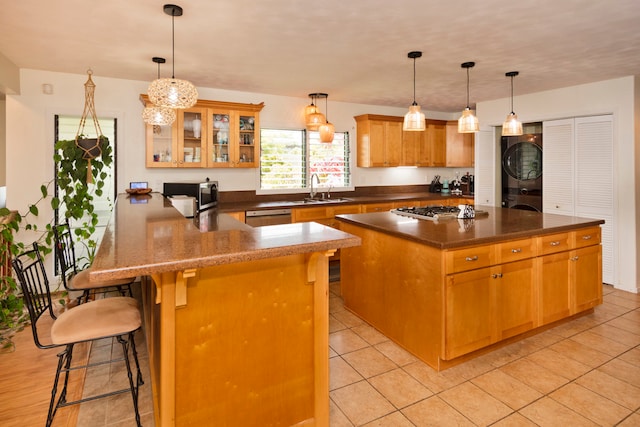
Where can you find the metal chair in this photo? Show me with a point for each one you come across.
(115, 317)
(75, 280)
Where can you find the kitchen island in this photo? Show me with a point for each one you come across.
(450, 289)
(236, 318)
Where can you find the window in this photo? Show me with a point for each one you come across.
(289, 158)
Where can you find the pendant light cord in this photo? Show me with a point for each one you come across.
(512, 95)
(414, 82)
(468, 87)
(326, 108)
(173, 44)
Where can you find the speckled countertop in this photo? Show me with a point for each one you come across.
(499, 225)
(147, 235)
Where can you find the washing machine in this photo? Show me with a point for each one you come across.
(522, 171)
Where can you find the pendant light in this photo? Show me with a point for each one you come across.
(511, 126)
(414, 119)
(315, 118)
(327, 130)
(468, 123)
(172, 93)
(158, 116)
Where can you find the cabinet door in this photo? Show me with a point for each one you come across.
(460, 147)
(248, 155)
(469, 319)
(161, 144)
(393, 143)
(515, 286)
(377, 151)
(586, 277)
(412, 146)
(558, 185)
(554, 287)
(437, 141)
(191, 150)
(221, 138)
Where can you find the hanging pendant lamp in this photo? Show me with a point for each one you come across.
(414, 119)
(327, 130)
(172, 93)
(315, 118)
(511, 126)
(468, 123)
(158, 116)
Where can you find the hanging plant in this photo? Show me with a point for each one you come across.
(91, 147)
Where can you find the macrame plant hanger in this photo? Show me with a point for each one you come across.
(91, 148)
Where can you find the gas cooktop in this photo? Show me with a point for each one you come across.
(436, 212)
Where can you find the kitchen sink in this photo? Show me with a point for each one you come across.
(330, 200)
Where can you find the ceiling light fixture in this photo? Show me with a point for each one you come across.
(511, 126)
(327, 130)
(173, 93)
(315, 118)
(468, 123)
(158, 116)
(414, 119)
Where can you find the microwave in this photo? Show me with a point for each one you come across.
(205, 193)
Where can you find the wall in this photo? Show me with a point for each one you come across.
(3, 142)
(607, 97)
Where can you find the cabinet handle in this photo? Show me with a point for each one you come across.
(556, 243)
(575, 258)
(587, 237)
(497, 276)
(472, 258)
(515, 251)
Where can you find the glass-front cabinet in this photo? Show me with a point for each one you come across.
(212, 134)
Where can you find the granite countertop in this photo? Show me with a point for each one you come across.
(345, 199)
(147, 235)
(500, 224)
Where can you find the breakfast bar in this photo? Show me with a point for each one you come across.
(448, 289)
(236, 318)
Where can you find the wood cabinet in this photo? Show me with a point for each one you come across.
(460, 146)
(212, 134)
(379, 140)
(444, 304)
(436, 143)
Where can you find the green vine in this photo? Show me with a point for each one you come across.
(77, 198)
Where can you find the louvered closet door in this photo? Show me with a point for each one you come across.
(558, 187)
(595, 197)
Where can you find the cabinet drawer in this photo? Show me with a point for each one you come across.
(377, 207)
(586, 237)
(516, 250)
(309, 214)
(552, 243)
(469, 258)
(345, 209)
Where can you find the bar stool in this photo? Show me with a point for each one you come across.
(115, 317)
(75, 280)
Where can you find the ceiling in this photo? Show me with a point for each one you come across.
(354, 51)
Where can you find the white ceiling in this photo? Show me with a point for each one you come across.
(354, 50)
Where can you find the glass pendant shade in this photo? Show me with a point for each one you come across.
(327, 130)
(468, 123)
(309, 110)
(315, 120)
(511, 126)
(414, 120)
(172, 93)
(160, 116)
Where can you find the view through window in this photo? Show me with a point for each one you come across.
(290, 157)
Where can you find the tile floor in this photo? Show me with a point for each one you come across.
(582, 373)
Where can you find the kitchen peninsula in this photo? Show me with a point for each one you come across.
(236, 318)
(447, 290)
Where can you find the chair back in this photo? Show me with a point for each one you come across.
(32, 276)
(65, 251)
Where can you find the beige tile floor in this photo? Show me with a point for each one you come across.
(582, 373)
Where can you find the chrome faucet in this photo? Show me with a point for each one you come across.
(313, 191)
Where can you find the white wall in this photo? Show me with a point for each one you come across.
(620, 98)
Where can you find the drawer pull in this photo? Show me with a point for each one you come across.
(587, 237)
(575, 258)
(497, 276)
(556, 243)
(516, 251)
(472, 258)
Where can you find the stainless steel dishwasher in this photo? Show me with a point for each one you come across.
(268, 217)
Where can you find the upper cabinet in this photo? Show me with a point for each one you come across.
(460, 146)
(211, 134)
(379, 140)
(382, 143)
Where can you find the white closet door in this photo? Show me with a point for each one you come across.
(558, 187)
(595, 181)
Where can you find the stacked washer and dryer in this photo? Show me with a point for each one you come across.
(522, 169)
